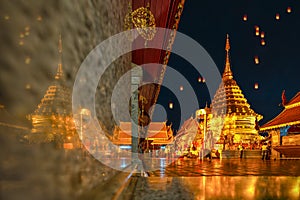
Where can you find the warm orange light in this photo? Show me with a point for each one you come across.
(263, 42)
(203, 80)
(28, 86)
(277, 16)
(181, 88)
(27, 60)
(39, 18)
(256, 28)
(262, 34)
(199, 79)
(171, 105)
(245, 17)
(257, 33)
(6, 17)
(256, 60)
(21, 42)
(69, 137)
(289, 10)
(256, 86)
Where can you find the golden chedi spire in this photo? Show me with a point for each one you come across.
(59, 73)
(227, 72)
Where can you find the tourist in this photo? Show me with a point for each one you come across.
(241, 149)
(264, 149)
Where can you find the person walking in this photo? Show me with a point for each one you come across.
(264, 149)
(241, 149)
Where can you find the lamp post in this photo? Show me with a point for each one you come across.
(86, 112)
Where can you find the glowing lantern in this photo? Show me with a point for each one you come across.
(245, 17)
(6, 17)
(181, 88)
(199, 79)
(256, 30)
(256, 86)
(256, 60)
(171, 105)
(277, 16)
(263, 42)
(289, 10)
(262, 34)
(27, 60)
(203, 80)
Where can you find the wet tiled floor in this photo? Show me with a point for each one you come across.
(218, 187)
(229, 167)
(222, 179)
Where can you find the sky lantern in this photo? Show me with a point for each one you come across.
(256, 30)
(181, 88)
(289, 10)
(256, 60)
(199, 79)
(277, 17)
(245, 17)
(171, 105)
(262, 34)
(256, 86)
(203, 80)
(263, 42)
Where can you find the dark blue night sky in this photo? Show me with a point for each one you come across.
(208, 22)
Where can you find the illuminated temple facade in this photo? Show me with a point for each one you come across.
(52, 120)
(284, 129)
(232, 119)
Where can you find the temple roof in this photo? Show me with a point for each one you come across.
(189, 126)
(288, 117)
(229, 98)
(157, 131)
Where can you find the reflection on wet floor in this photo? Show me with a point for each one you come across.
(229, 167)
(219, 187)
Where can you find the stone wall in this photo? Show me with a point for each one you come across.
(29, 48)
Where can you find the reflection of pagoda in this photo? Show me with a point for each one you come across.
(52, 120)
(230, 104)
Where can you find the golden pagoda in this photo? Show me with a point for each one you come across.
(52, 120)
(230, 105)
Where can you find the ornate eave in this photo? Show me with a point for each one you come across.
(288, 117)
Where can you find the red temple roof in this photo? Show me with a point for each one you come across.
(158, 132)
(288, 117)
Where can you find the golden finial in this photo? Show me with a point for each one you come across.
(227, 72)
(59, 73)
(227, 47)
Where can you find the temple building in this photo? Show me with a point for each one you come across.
(52, 121)
(158, 134)
(232, 119)
(284, 129)
(188, 136)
